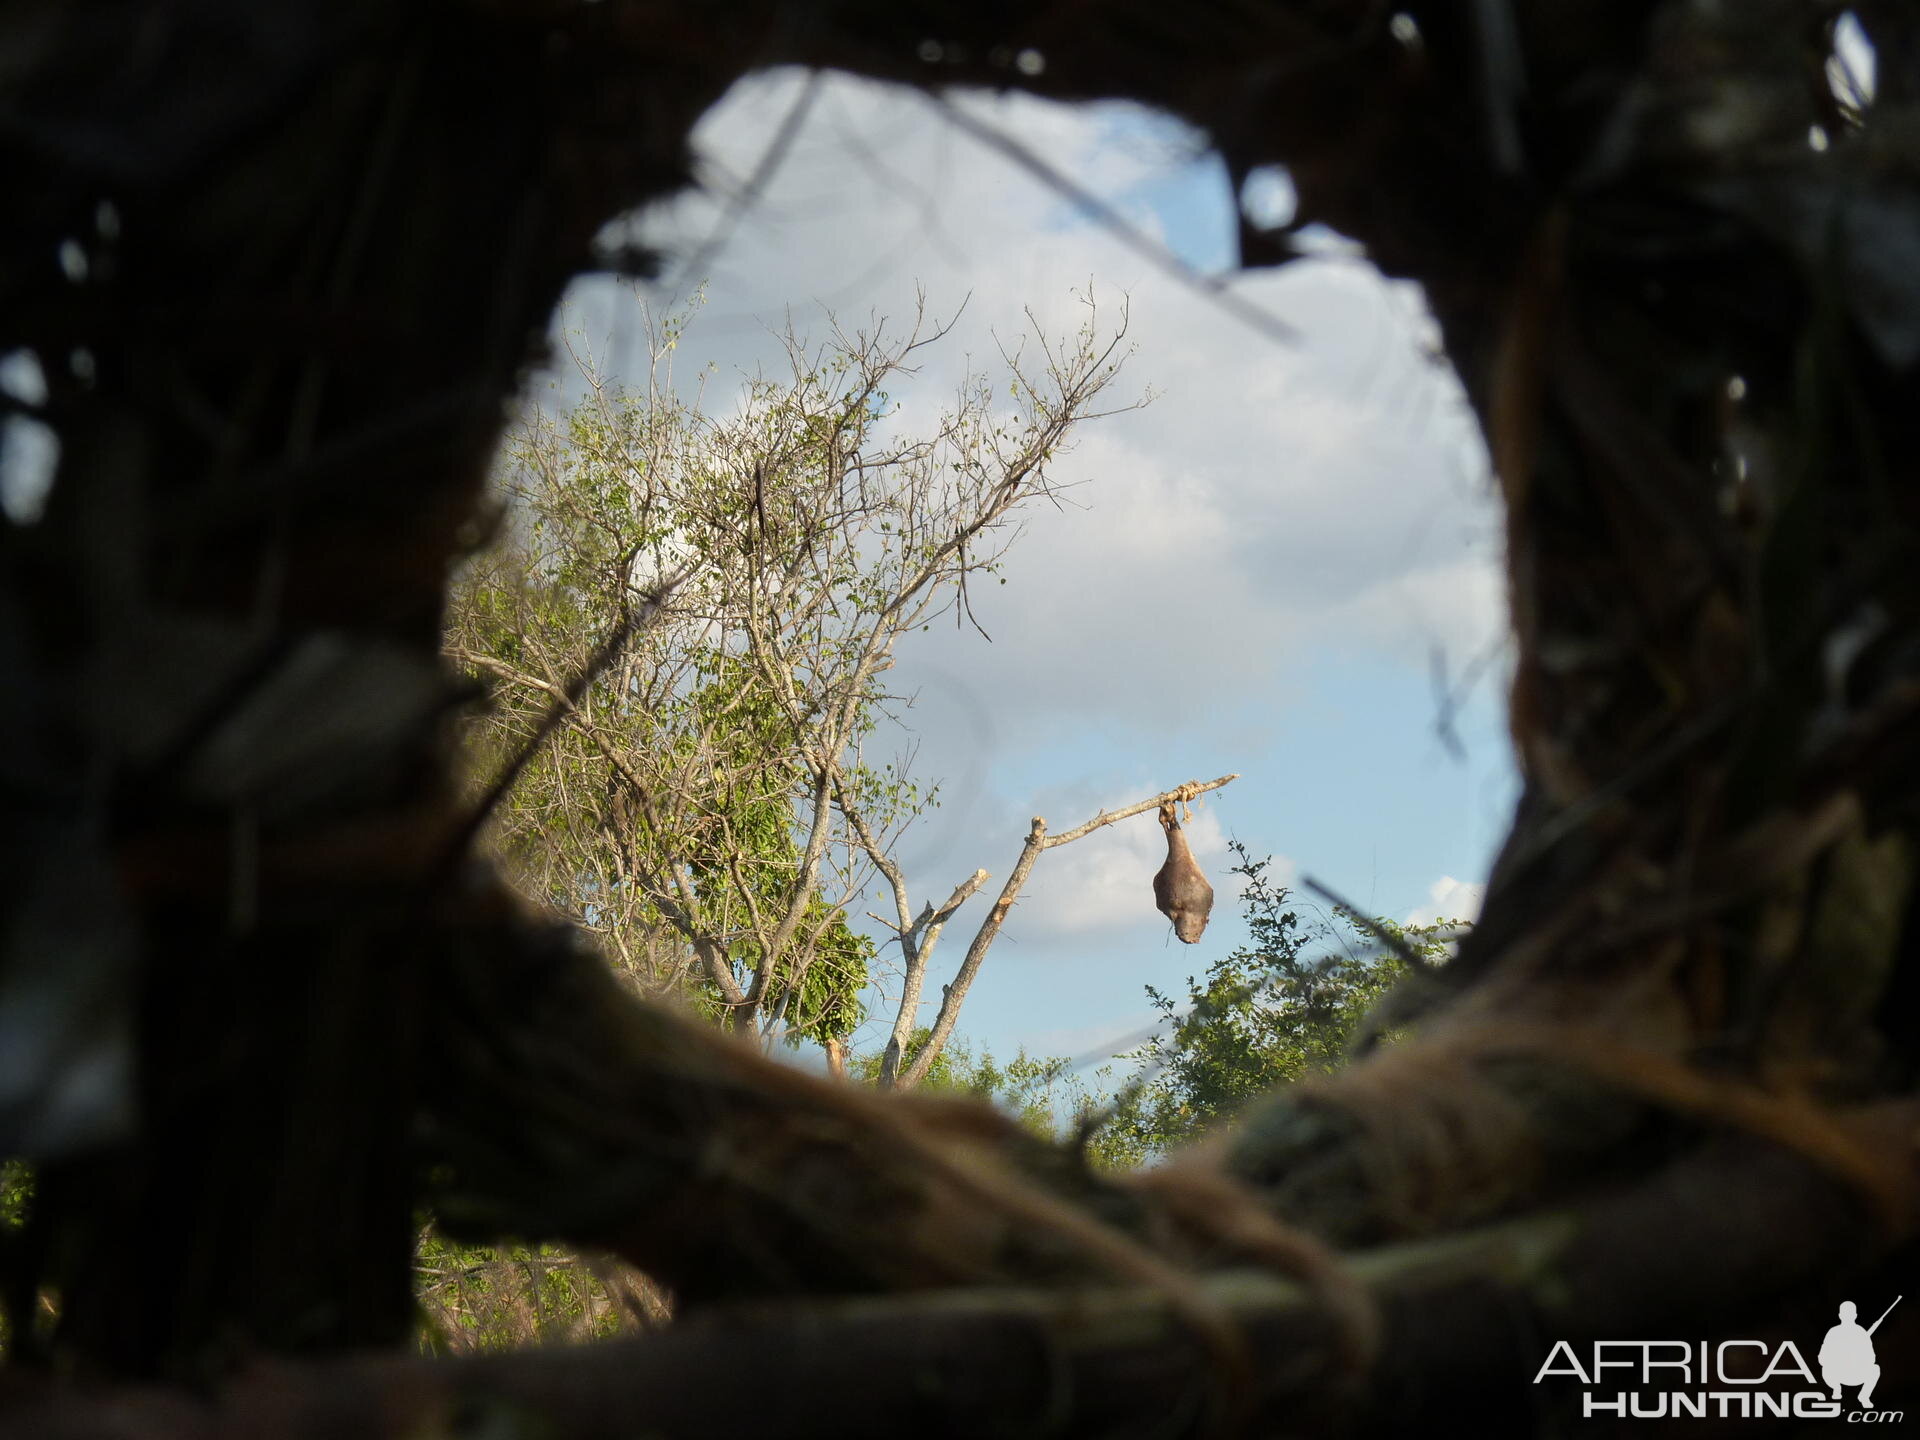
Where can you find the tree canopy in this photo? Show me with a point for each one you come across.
(711, 805)
(1289, 1003)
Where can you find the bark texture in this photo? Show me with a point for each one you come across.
(280, 267)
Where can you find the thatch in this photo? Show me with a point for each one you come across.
(281, 266)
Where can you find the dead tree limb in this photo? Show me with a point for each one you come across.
(1712, 1244)
(1037, 842)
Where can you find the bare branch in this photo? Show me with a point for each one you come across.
(1708, 1243)
(604, 654)
(1037, 841)
(917, 942)
(1165, 797)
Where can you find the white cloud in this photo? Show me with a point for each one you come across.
(1448, 899)
(1278, 502)
(1273, 496)
(1274, 499)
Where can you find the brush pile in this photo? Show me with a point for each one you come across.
(268, 275)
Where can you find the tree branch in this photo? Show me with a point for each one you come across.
(1165, 797)
(917, 942)
(1037, 841)
(1710, 1242)
(604, 654)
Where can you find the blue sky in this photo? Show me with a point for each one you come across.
(1346, 782)
(1256, 574)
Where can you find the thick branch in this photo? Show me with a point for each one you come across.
(917, 943)
(1738, 1238)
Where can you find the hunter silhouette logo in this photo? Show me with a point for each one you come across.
(1846, 1355)
(1728, 1379)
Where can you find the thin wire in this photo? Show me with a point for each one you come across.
(1136, 239)
(764, 169)
(1396, 943)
